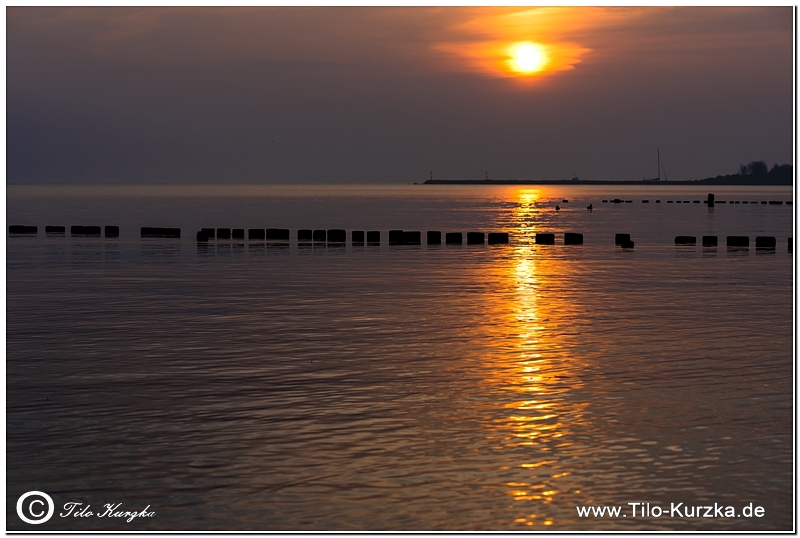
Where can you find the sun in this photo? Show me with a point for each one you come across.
(527, 58)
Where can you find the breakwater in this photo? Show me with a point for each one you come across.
(338, 236)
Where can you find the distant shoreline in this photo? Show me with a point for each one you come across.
(725, 180)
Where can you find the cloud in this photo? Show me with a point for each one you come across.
(358, 37)
(396, 41)
(479, 40)
(485, 41)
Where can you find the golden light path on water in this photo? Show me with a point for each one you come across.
(538, 414)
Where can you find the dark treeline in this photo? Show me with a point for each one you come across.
(755, 173)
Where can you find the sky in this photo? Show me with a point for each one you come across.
(302, 95)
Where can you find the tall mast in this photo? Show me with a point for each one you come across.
(658, 156)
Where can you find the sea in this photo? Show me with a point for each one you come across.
(284, 386)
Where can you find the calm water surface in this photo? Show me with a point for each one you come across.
(287, 387)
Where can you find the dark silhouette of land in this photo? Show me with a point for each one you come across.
(753, 173)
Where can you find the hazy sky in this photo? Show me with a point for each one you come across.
(311, 95)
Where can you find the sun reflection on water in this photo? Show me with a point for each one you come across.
(534, 371)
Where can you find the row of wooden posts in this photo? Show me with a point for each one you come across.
(733, 241)
(711, 241)
(396, 237)
(88, 231)
(712, 202)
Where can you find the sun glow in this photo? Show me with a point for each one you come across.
(529, 45)
(528, 58)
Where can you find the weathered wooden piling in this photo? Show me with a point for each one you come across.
(765, 242)
(172, 233)
(710, 199)
(337, 236)
(256, 234)
(475, 238)
(434, 238)
(709, 240)
(61, 230)
(573, 238)
(305, 235)
(111, 231)
(277, 234)
(320, 236)
(545, 239)
(402, 237)
(237, 234)
(374, 237)
(790, 244)
(453, 238)
(497, 238)
(357, 237)
(202, 236)
(620, 238)
(685, 240)
(395, 237)
(210, 232)
(738, 241)
(412, 238)
(21, 229)
(223, 233)
(93, 231)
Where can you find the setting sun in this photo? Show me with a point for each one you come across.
(528, 58)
